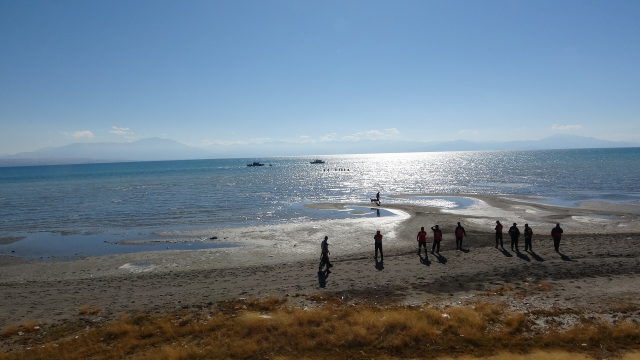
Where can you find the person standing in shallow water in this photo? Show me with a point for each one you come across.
(437, 237)
(460, 233)
(422, 240)
(556, 234)
(528, 233)
(499, 234)
(324, 257)
(514, 232)
(378, 243)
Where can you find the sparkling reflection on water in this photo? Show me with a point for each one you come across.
(97, 198)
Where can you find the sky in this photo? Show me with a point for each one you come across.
(244, 72)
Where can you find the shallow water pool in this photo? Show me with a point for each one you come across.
(443, 202)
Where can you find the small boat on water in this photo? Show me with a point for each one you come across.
(255, 163)
(316, 161)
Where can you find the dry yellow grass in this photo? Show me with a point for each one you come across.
(544, 286)
(89, 310)
(542, 355)
(501, 290)
(10, 331)
(624, 307)
(252, 329)
(27, 327)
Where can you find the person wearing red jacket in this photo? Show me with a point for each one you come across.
(556, 234)
(437, 237)
(422, 240)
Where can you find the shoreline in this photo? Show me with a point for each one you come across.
(596, 253)
(588, 217)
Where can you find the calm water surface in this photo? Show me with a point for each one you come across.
(138, 198)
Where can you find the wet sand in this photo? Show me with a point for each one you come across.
(598, 267)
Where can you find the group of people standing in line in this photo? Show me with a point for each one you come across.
(514, 233)
(437, 238)
(460, 233)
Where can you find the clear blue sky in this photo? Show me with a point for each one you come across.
(203, 72)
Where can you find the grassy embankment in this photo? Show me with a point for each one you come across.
(270, 329)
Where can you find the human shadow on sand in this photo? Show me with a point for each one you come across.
(535, 256)
(425, 260)
(322, 277)
(565, 257)
(466, 251)
(441, 258)
(522, 256)
(505, 252)
(379, 265)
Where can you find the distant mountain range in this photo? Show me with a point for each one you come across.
(152, 149)
(156, 149)
(279, 148)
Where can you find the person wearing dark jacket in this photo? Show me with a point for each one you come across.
(528, 233)
(324, 255)
(514, 232)
(377, 238)
(556, 234)
(499, 234)
(460, 233)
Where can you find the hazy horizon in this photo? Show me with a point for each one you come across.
(157, 149)
(247, 73)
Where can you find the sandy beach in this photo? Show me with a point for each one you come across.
(597, 270)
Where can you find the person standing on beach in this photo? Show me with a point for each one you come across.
(528, 233)
(514, 232)
(437, 237)
(376, 199)
(499, 234)
(556, 234)
(422, 240)
(378, 242)
(460, 233)
(324, 257)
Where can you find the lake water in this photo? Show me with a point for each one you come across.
(96, 201)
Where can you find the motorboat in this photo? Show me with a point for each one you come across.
(316, 161)
(255, 163)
